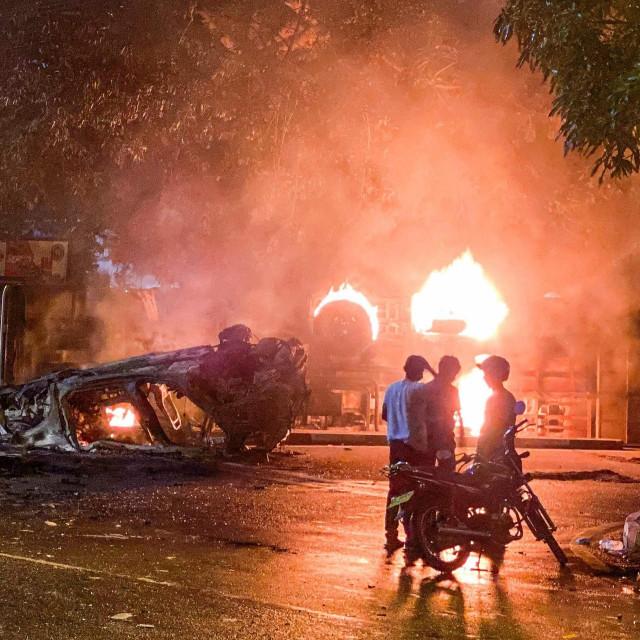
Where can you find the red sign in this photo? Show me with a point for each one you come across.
(41, 261)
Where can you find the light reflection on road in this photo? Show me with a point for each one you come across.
(472, 603)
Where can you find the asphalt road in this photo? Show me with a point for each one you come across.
(290, 549)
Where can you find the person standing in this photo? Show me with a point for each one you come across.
(500, 413)
(442, 407)
(403, 410)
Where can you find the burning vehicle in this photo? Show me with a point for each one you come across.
(457, 310)
(576, 382)
(251, 391)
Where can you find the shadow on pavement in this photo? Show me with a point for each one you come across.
(442, 606)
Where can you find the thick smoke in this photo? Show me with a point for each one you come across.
(420, 142)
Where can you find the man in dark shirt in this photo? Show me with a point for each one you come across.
(442, 407)
(432, 411)
(500, 409)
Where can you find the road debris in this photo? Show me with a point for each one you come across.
(122, 616)
(599, 475)
(613, 547)
(111, 536)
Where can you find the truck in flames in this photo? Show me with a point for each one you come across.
(251, 391)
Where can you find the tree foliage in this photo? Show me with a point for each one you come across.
(190, 133)
(103, 103)
(589, 53)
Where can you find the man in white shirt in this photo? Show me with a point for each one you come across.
(403, 411)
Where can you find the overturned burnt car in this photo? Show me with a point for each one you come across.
(250, 391)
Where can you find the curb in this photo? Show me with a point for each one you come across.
(337, 439)
(587, 555)
(306, 438)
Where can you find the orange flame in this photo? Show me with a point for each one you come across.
(346, 293)
(474, 393)
(122, 416)
(460, 291)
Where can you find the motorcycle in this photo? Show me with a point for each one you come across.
(481, 507)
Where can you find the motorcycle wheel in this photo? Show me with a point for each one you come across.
(442, 555)
(541, 531)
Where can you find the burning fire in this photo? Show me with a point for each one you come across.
(122, 416)
(474, 393)
(460, 292)
(346, 293)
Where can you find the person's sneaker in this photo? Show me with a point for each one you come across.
(392, 545)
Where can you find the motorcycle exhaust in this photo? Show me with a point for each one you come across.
(466, 533)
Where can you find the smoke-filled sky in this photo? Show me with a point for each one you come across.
(416, 143)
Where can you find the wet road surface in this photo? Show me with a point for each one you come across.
(292, 548)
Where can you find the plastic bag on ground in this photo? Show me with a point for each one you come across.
(613, 547)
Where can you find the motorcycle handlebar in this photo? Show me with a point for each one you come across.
(397, 467)
(519, 426)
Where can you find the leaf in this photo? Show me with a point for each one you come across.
(590, 67)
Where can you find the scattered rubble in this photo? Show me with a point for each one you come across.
(247, 390)
(632, 459)
(599, 475)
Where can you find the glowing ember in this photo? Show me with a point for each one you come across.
(346, 293)
(474, 393)
(122, 416)
(459, 292)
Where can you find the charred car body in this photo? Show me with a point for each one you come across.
(248, 390)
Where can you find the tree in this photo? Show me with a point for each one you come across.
(589, 53)
(105, 105)
(223, 142)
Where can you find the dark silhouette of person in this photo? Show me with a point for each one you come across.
(500, 408)
(442, 406)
